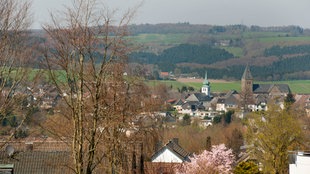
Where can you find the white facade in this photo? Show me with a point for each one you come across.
(205, 89)
(167, 157)
(302, 164)
(221, 107)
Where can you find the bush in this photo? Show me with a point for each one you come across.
(186, 120)
(217, 119)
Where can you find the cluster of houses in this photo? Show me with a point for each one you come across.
(252, 97)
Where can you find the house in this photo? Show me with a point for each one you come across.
(178, 105)
(171, 152)
(229, 101)
(167, 158)
(303, 101)
(164, 75)
(48, 157)
(299, 163)
(194, 108)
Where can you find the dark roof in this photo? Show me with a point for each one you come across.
(175, 148)
(193, 105)
(169, 118)
(37, 162)
(261, 98)
(247, 74)
(221, 100)
(202, 97)
(231, 100)
(179, 102)
(230, 93)
(266, 88)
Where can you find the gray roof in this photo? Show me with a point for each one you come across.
(202, 97)
(231, 100)
(266, 88)
(261, 98)
(221, 100)
(193, 105)
(37, 162)
(179, 102)
(176, 149)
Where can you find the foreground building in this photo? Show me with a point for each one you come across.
(299, 163)
(167, 158)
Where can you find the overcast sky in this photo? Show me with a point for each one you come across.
(215, 12)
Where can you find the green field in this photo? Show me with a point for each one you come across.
(276, 40)
(297, 86)
(236, 51)
(160, 38)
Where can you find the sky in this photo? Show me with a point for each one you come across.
(214, 12)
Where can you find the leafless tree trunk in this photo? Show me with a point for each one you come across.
(86, 57)
(15, 19)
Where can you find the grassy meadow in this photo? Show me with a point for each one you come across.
(297, 86)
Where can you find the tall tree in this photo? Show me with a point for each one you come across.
(15, 19)
(86, 59)
(270, 135)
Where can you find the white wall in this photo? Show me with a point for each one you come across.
(167, 157)
(301, 166)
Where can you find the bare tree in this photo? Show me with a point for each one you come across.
(86, 57)
(15, 19)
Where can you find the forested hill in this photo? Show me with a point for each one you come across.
(184, 53)
(274, 53)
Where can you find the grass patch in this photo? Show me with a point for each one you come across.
(236, 51)
(160, 38)
(277, 40)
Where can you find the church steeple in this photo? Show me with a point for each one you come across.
(206, 85)
(206, 82)
(247, 81)
(247, 74)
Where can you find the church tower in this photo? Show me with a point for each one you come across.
(206, 85)
(247, 81)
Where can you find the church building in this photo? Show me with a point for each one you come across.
(206, 86)
(256, 96)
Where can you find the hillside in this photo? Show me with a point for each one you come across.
(274, 53)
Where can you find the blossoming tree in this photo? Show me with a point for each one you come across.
(218, 160)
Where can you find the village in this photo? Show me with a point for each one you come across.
(92, 87)
(201, 107)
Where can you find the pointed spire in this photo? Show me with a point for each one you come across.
(247, 73)
(206, 82)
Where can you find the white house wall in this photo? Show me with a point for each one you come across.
(167, 157)
(301, 166)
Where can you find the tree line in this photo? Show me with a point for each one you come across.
(286, 50)
(186, 27)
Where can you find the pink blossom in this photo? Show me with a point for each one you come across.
(218, 160)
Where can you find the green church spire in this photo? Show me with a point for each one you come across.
(206, 82)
